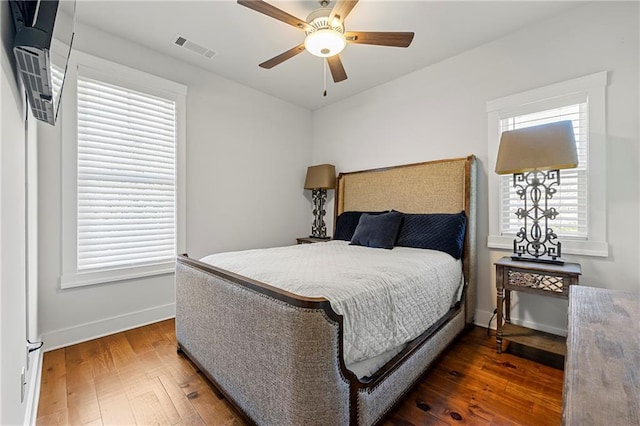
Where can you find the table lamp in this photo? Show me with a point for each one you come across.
(319, 179)
(535, 155)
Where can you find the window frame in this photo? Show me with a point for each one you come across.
(120, 75)
(593, 87)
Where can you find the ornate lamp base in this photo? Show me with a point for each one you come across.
(536, 241)
(318, 228)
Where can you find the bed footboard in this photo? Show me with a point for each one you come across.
(374, 402)
(274, 356)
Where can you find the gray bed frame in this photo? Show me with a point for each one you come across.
(278, 357)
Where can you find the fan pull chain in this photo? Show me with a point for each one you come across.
(325, 77)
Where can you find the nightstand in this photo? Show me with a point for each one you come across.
(537, 278)
(311, 240)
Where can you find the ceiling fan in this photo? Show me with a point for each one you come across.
(325, 33)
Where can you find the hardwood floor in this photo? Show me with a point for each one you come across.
(136, 377)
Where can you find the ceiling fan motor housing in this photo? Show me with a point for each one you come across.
(319, 20)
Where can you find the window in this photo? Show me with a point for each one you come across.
(126, 177)
(121, 173)
(571, 200)
(581, 223)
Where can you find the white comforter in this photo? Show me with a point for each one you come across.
(386, 297)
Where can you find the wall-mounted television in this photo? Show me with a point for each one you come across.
(42, 44)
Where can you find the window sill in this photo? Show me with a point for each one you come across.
(577, 247)
(106, 276)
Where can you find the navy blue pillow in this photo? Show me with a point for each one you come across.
(346, 224)
(436, 231)
(378, 231)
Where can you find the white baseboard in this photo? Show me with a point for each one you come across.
(81, 333)
(482, 320)
(33, 390)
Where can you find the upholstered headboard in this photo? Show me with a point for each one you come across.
(442, 186)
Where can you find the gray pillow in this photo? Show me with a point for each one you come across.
(346, 224)
(378, 231)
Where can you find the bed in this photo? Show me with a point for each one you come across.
(279, 357)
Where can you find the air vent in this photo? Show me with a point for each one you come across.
(194, 47)
(29, 64)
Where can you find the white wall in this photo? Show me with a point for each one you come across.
(247, 154)
(13, 324)
(440, 112)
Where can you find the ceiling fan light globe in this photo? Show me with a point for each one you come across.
(325, 43)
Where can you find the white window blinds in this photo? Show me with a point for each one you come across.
(56, 80)
(126, 193)
(571, 198)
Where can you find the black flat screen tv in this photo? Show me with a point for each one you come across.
(42, 44)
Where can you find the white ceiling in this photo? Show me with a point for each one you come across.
(243, 38)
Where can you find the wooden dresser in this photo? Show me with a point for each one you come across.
(602, 368)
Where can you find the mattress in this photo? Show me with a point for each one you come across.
(386, 297)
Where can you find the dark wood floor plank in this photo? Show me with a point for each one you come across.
(550, 412)
(503, 405)
(544, 393)
(484, 387)
(137, 377)
(471, 375)
(464, 387)
(452, 404)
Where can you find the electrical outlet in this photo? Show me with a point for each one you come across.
(23, 385)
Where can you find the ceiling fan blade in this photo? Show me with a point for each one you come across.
(337, 69)
(379, 38)
(341, 9)
(273, 12)
(283, 57)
